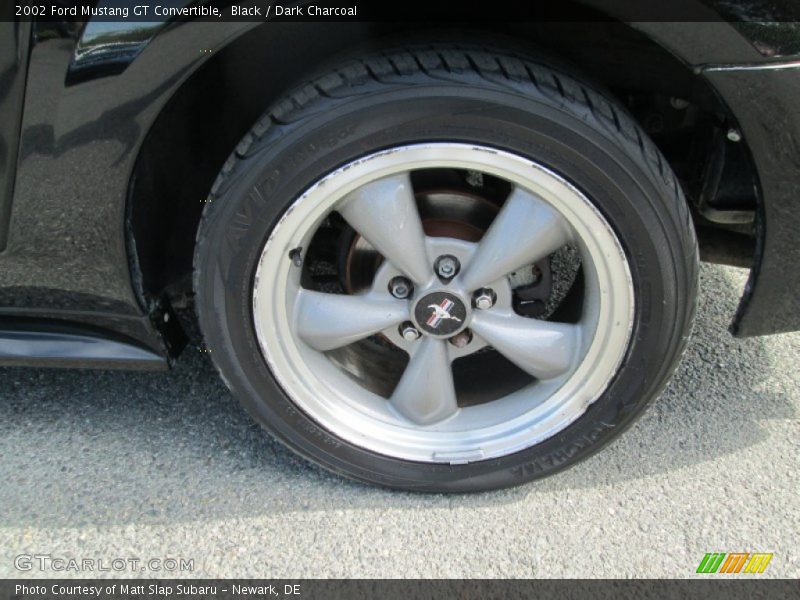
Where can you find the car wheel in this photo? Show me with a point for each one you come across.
(446, 269)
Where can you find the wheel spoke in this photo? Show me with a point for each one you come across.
(328, 321)
(385, 213)
(426, 393)
(526, 229)
(541, 348)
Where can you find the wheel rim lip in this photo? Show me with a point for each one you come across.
(296, 368)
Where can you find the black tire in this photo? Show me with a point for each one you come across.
(449, 94)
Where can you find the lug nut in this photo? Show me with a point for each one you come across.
(447, 266)
(484, 299)
(409, 332)
(461, 339)
(400, 288)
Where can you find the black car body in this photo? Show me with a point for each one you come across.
(102, 179)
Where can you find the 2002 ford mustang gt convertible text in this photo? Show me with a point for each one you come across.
(424, 258)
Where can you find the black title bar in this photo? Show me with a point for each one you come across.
(761, 11)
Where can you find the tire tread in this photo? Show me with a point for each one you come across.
(475, 65)
(450, 63)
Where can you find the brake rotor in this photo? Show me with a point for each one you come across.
(446, 213)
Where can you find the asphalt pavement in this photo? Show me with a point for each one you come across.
(111, 465)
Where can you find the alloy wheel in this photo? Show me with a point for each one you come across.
(437, 295)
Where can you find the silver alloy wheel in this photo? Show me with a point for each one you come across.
(421, 419)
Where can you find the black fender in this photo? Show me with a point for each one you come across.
(92, 98)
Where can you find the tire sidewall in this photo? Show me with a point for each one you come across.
(291, 158)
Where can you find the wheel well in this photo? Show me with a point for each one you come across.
(202, 123)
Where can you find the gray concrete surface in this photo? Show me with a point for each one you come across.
(108, 465)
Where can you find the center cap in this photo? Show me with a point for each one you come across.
(440, 313)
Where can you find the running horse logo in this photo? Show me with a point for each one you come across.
(441, 312)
